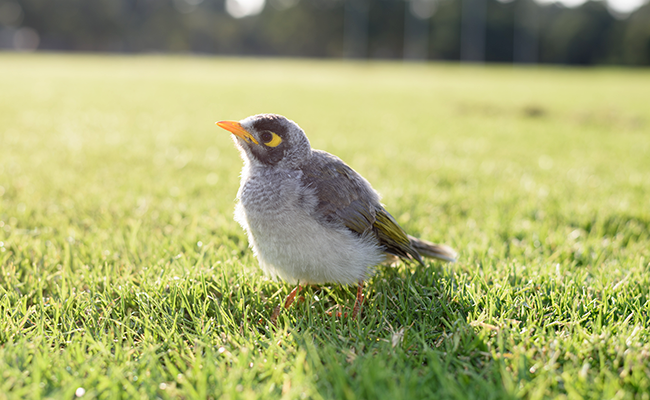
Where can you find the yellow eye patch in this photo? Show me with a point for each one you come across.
(275, 140)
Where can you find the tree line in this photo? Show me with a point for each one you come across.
(471, 30)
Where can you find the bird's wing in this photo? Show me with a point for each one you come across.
(393, 237)
(345, 197)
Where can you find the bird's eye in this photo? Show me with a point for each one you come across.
(266, 136)
(270, 139)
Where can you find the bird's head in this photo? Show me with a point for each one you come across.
(269, 140)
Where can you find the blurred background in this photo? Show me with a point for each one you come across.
(520, 31)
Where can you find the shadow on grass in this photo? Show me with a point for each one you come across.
(412, 341)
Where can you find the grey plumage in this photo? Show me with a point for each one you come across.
(309, 216)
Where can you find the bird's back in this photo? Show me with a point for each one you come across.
(345, 198)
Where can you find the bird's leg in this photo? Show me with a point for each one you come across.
(359, 302)
(287, 303)
(357, 305)
(291, 296)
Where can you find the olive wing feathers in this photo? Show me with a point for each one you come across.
(344, 197)
(393, 237)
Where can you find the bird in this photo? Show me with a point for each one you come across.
(309, 217)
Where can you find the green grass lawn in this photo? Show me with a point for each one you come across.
(123, 274)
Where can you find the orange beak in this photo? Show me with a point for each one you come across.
(236, 129)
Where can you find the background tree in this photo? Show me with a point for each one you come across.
(521, 30)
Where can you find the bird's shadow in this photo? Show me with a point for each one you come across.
(409, 310)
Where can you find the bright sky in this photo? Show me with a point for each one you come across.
(245, 8)
(621, 6)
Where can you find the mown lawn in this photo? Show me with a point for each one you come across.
(123, 274)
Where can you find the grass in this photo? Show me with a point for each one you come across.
(123, 274)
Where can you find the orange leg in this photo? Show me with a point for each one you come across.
(291, 296)
(359, 302)
(287, 303)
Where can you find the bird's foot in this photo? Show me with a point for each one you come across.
(287, 303)
(358, 305)
(359, 301)
(336, 311)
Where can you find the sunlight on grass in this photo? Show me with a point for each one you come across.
(123, 274)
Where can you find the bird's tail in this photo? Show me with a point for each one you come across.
(431, 250)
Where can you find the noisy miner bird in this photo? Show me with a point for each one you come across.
(310, 218)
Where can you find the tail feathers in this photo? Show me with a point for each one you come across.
(431, 250)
